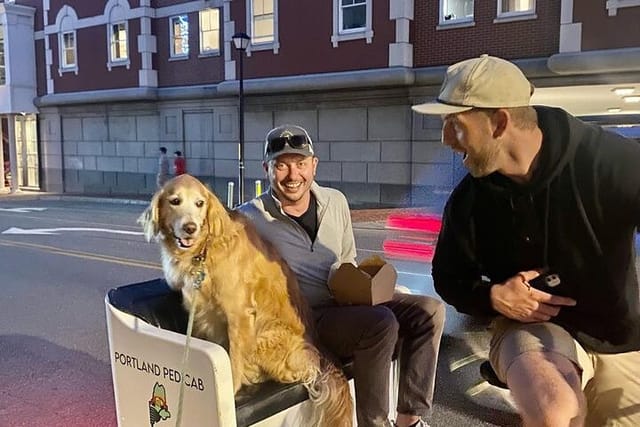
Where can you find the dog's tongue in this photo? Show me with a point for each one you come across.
(185, 243)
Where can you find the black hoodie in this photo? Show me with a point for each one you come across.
(577, 217)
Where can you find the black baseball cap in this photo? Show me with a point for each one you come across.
(287, 139)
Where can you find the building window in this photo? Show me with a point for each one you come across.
(262, 22)
(614, 5)
(515, 7)
(456, 11)
(66, 24)
(118, 42)
(68, 50)
(353, 15)
(209, 31)
(352, 19)
(3, 74)
(179, 33)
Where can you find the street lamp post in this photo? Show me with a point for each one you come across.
(241, 42)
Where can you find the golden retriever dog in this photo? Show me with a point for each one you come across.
(244, 295)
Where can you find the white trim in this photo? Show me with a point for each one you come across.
(570, 32)
(514, 18)
(147, 46)
(112, 4)
(228, 30)
(135, 13)
(47, 47)
(614, 5)
(66, 21)
(456, 24)
(570, 37)
(62, 67)
(506, 15)
(401, 9)
(463, 21)
(401, 52)
(340, 35)
(272, 45)
(566, 12)
(117, 12)
(119, 62)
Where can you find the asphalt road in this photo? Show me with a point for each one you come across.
(58, 258)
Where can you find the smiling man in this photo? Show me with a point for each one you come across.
(311, 227)
(546, 193)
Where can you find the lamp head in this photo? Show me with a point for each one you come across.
(241, 41)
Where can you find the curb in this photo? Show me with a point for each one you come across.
(96, 200)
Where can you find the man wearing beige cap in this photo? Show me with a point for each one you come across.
(541, 234)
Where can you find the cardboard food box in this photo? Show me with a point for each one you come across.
(372, 282)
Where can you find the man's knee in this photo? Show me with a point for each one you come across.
(547, 389)
(437, 310)
(614, 392)
(431, 312)
(384, 325)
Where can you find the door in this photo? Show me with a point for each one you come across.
(27, 151)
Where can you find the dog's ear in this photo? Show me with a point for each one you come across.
(150, 218)
(216, 215)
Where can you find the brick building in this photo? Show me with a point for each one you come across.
(89, 90)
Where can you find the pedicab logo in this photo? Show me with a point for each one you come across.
(158, 408)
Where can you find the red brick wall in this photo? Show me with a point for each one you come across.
(83, 8)
(41, 76)
(92, 62)
(305, 29)
(518, 39)
(601, 31)
(193, 70)
(162, 3)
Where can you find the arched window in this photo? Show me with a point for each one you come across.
(66, 22)
(117, 33)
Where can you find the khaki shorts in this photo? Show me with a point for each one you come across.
(611, 382)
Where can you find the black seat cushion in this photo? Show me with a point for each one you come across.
(157, 304)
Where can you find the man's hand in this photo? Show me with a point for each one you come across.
(517, 300)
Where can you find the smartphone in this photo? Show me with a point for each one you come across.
(546, 281)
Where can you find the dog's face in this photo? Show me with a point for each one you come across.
(182, 213)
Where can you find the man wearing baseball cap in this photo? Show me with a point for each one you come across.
(311, 227)
(540, 234)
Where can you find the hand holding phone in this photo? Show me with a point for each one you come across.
(546, 282)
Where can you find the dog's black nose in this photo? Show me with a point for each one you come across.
(189, 227)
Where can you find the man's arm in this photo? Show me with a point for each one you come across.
(348, 241)
(618, 179)
(456, 274)
(458, 279)
(347, 253)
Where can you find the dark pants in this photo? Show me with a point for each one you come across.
(369, 335)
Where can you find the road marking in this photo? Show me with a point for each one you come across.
(370, 250)
(410, 273)
(85, 255)
(22, 210)
(47, 231)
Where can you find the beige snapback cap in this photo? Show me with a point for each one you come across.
(484, 82)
